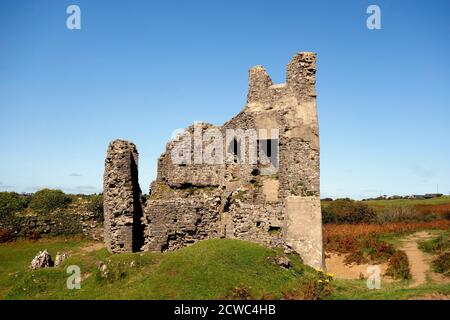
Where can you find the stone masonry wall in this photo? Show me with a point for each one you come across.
(255, 202)
(275, 203)
(122, 203)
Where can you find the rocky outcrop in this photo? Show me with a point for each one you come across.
(60, 257)
(122, 198)
(41, 260)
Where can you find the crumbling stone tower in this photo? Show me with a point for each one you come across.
(273, 202)
(122, 198)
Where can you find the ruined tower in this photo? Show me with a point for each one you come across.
(274, 200)
(121, 192)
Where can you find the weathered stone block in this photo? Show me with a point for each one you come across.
(121, 194)
(303, 229)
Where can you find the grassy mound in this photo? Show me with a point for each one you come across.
(211, 269)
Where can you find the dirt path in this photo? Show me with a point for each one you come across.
(419, 263)
(416, 258)
(335, 265)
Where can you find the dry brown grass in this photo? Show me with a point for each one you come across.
(360, 230)
(440, 209)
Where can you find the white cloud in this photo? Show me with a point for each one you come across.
(75, 175)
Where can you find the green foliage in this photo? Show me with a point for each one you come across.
(32, 227)
(370, 250)
(6, 235)
(95, 205)
(441, 264)
(401, 202)
(48, 200)
(347, 211)
(398, 267)
(401, 213)
(11, 202)
(437, 245)
(344, 289)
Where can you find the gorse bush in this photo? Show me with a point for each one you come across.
(11, 202)
(96, 206)
(347, 211)
(47, 200)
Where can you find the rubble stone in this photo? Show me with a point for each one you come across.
(41, 260)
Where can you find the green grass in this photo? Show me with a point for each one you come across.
(210, 269)
(437, 245)
(402, 202)
(357, 290)
(15, 257)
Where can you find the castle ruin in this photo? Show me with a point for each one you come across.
(274, 200)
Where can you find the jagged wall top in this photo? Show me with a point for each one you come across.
(300, 81)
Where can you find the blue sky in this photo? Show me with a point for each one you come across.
(138, 70)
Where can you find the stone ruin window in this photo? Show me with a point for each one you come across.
(235, 149)
(274, 229)
(268, 151)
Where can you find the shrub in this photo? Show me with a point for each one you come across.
(33, 235)
(348, 211)
(437, 245)
(6, 235)
(398, 267)
(316, 288)
(400, 213)
(441, 264)
(11, 202)
(335, 231)
(47, 200)
(342, 243)
(328, 216)
(370, 250)
(95, 205)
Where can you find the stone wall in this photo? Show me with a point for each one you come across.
(122, 198)
(275, 203)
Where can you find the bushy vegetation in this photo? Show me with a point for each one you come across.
(370, 249)
(11, 202)
(47, 212)
(441, 264)
(385, 211)
(347, 211)
(401, 213)
(48, 200)
(361, 230)
(95, 205)
(398, 267)
(440, 247)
